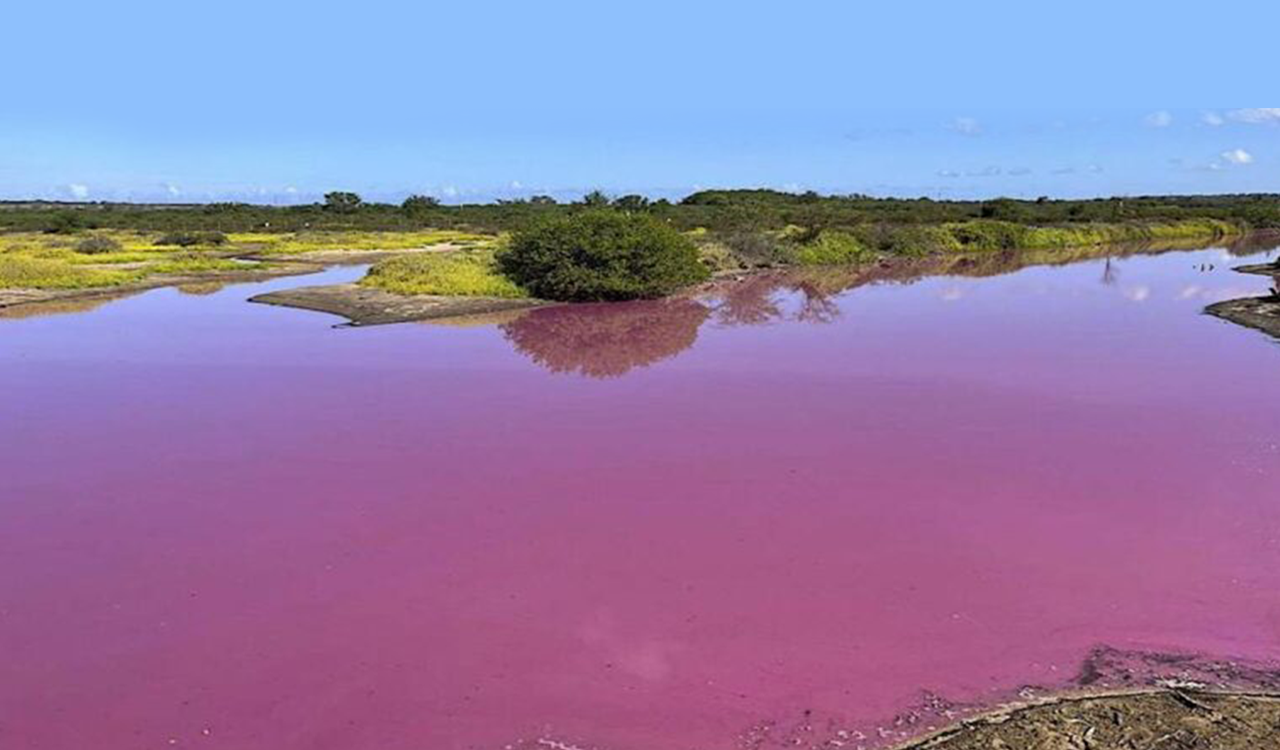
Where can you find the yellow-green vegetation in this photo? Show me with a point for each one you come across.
(1003, 235)
(463, 273)
(182, 263)
(860, 244)
(302, 242)
(102, 258)
(111, 257)
(22, 271)
(832, 248)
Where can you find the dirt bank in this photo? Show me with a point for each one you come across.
(1258, 313)
(367, 306)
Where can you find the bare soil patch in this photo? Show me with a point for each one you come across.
(367, 306)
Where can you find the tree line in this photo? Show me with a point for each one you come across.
(723, 211)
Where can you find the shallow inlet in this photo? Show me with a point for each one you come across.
(709, 523)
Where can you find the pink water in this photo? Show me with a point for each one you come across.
(653, 527)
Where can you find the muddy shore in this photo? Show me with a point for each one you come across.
(1258, 313)
(1161, 719)
(1119, 699)
(363, 305)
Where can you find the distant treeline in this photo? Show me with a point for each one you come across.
(719, 211)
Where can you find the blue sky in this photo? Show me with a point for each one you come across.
(282, 101)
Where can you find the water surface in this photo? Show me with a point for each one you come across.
(637, 527)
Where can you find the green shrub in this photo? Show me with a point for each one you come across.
(97, 245)
(832, 248)
(341, 201)
(601, 255)
(756, 249)
(419, 203)
(191, 239)
(908, 240)
(985, 234)
(64, 222)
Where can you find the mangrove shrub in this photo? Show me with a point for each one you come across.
(601, 255)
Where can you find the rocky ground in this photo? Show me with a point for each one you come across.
(1166, 719)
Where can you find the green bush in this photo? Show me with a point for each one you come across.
(342, 202)
(191, 239)
(419, 203)
(756, 249)
(97, 245)
(832, 248)
(601, 255)
(908, 240)
(986, 234)
(64, 222)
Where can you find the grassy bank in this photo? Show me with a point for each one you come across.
(471, 273)
(796, 246)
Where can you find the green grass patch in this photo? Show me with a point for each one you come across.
(468, 273)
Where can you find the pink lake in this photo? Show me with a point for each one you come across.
(660, 526)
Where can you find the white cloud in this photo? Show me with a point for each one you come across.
(172, 189)
(966, 126)
(78, 191)
(1212, 119)
(1138, 293)
(516, 185)
(1238, 156)
(1256, 115)
(449, 191)
(1161, 119)
(291, 190)
(948, 173)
